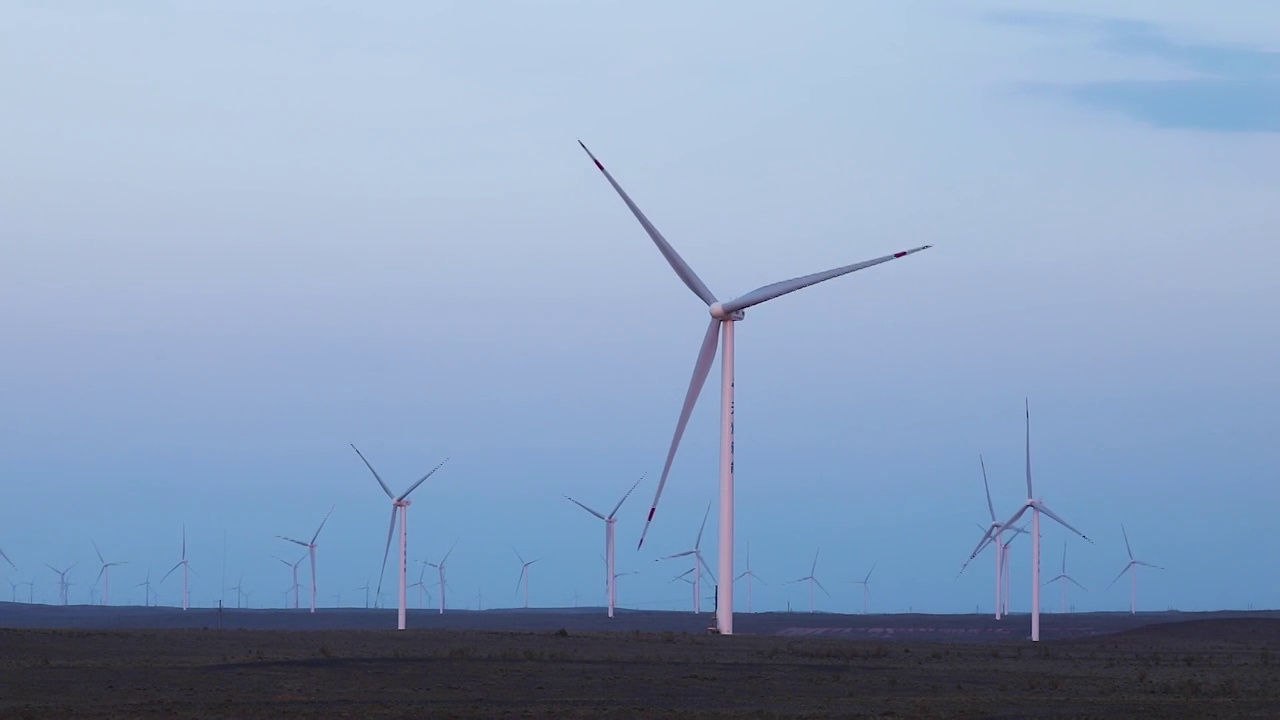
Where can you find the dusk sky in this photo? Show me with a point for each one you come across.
(239, 236)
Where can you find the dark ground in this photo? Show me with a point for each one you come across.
(1222, 665)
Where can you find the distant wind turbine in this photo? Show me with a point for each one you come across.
(1132, 569)
(186, 567)
(62, 581)
(749, 575)
(146, 588)
(610, 523)
(440, 569)
(524, 575)
(991, 536)
(365, 588)
(812, 579)
(399, 503)
(295, 587)
(723, 317)
(311, 550)
(105, 574)
(699, 565)
(1064, 578)
(239, 588)
(866, 587)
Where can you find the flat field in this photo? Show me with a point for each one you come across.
(1209, 668)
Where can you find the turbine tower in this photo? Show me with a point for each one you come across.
(1037, 507)
(1132, 569)
(1064, 578)
(699, 565)
(812, 580)
(440, 568)
(524, 575)
(401, 504)
(723, 317)
(186, 567)
(311, 550)
(105, 574)
(610, 527)
(749, 575)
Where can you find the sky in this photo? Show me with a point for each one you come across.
(239, 237)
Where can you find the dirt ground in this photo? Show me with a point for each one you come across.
(1224, 668)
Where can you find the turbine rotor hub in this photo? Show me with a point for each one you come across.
(718, 312)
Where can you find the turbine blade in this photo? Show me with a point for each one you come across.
(990, 507)
(618, 507)
(6, 559)
(1045, 509)
(686, 553)
(705, 568)
(818, 582)
(175, 567)
(422, 479)
(104, 569)
(814, 567)
(1027, 407)
(517, 552)
(99, 553)
(523, 568)
(446, 555)
(1064, 557)
(873, 569)
(1073, 582)
(584, 507)
(1126, 541)
(1147, 564)
(698, 543)
(322, 522)
(769, 292)
(289, 539)
(1122, 572)
(1008, 524)
(700, 370)
(987, 538)
(391, 531)
(686, 273)
(376, 476)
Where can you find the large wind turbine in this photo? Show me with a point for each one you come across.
(1064, 578)
(812, 579)
(991, 536)
(440, 568)
(186, 567)
(866, 587)
(1132, 569)
(105, 574)
(749, 575)
(524, 575)
(1037, 507)
(699, 565)
(610, 527)
(311, 550)
(398, 503)
(723, 317)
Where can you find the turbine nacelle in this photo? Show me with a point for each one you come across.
(718, 312)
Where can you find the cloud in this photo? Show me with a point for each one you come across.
(1236, 89)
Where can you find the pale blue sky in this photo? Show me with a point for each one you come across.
(237, 239)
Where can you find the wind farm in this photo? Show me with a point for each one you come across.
(273, 273)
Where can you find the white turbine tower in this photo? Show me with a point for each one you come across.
(105, 574)
(440, 569)
(524, 575)
(1132, 569)
(811, 579)
(1064, 578)
(699, 565)
(866, 587)
(749, 575)
(723, 317)
(311, 550)
(186, 568)
(1037, 507)
(610, 527)
(399, 503)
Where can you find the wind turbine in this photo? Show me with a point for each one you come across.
(146, 588)
(1005, 553)
(723, 317)
(1037, 507)
(749, 575)
(440, 568)
(62, 581)
(811, 579)
(294, 567)
(31, 590)
(866, 587)
(1132, 569)
(311, 550)
(105, 574)
(610, 523)
(239, 588)
(424, 595)
(186, 567)
(524, 575)
(991, 535)
(1064, 578)
(365, 588)
(398, 503)
(699, 565)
